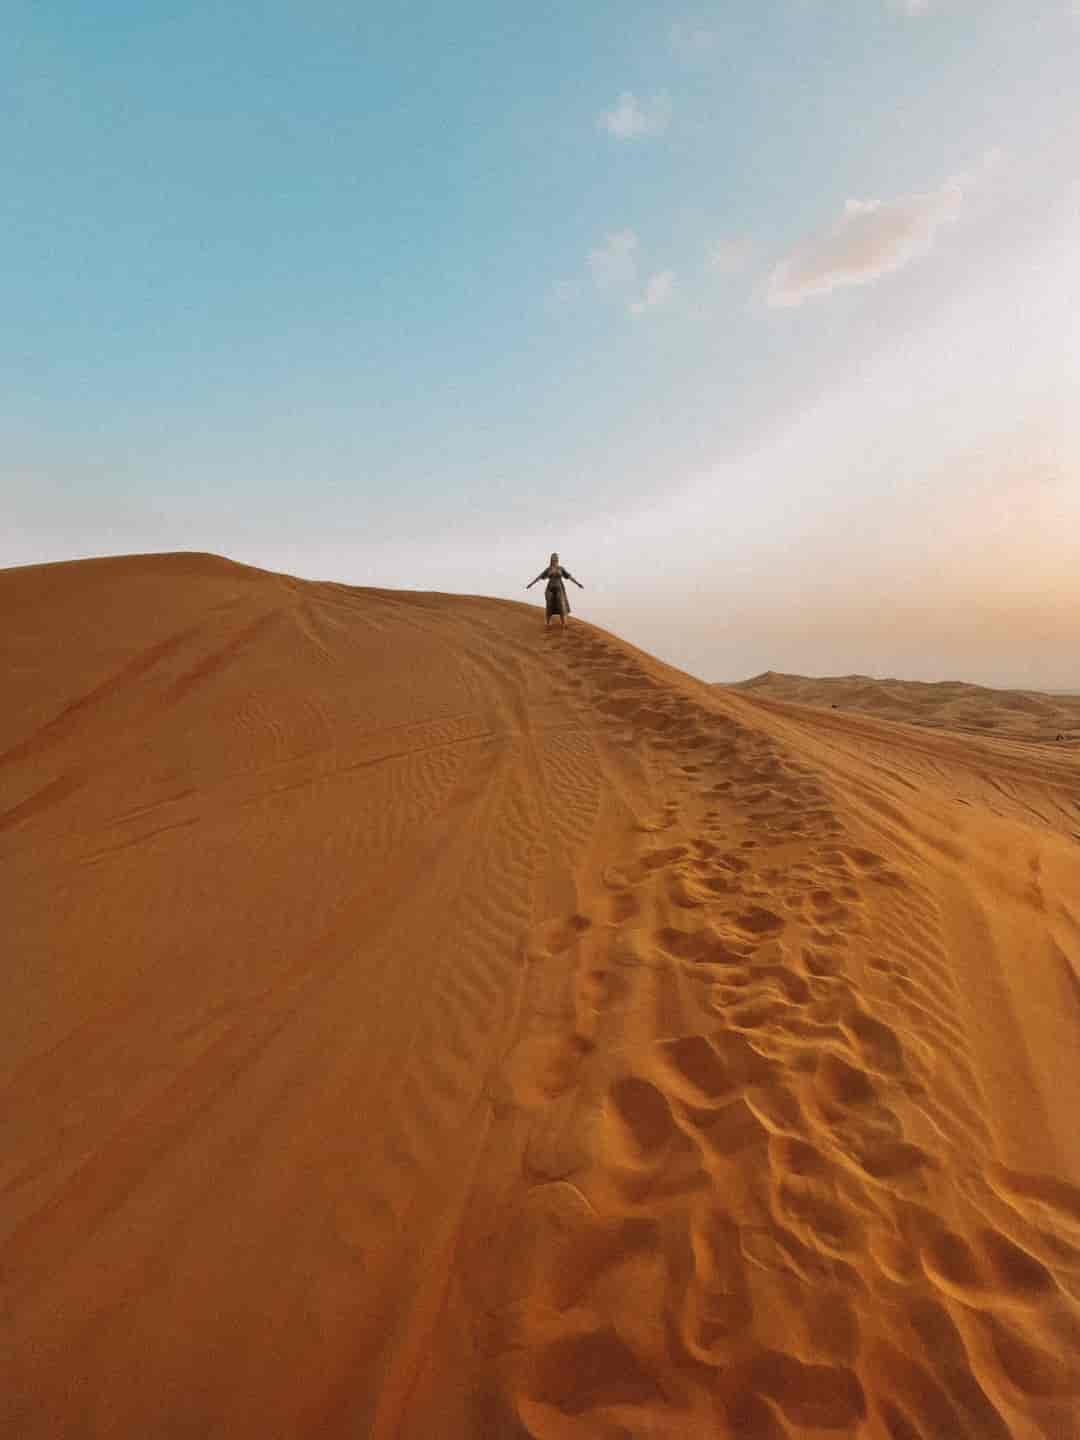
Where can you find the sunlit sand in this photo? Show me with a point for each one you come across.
(418, 1024)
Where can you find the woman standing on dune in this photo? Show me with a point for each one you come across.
(555, 593)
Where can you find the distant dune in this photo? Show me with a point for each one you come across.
(947, 704)
(418, 1024)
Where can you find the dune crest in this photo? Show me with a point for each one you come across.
(1029, 715)
(422, 1024)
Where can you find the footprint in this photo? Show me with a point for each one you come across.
(897, 1162)
(876, 1043)
(777, 1108)
(711, 880)
(819, 962)
(564, 933)
(573, 1261)
(759, 921)
(1042, 1196)
(755, 1013)
(914, 1406)
(731, 1130)
(832, 1327)
(543, 1067)
(683, 892)
(827, 1225)
(704, 946)
(624, 905)
(644, 1120)
(599, 989)
(630, 949)
(947, 1258)
(1016, 1270)
(1036, 1369)
(618, 878)
(806, 1197)
(783, 979)
(796, 1157)
(661, 859)
(716, 1309)
(582, 1372)
(895, 1257)
(701, 1074)
(748, 1415)
(865, 859)
(829, 1397)
(775, 1249)
(839, 1083)
(823, 908)
(948, 1357)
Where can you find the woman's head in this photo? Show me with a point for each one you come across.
(554, 558)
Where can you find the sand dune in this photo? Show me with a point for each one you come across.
(948, 704)
(419, 1024)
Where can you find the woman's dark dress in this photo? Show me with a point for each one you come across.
(555, 594)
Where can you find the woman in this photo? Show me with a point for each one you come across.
(555, 594)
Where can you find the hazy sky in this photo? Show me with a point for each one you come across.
(763, 313)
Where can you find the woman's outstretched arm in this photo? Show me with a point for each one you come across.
(533, 582)
(576, 582)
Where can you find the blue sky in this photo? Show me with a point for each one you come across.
(760, 313)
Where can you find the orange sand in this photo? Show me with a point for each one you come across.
(418, 1024)
(948, 704)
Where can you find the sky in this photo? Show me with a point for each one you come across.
(763, 314)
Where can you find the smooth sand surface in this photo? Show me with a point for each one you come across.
(947, 704)
(421, 1024)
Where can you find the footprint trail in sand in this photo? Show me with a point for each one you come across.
(575, 1050)
(758, 1181)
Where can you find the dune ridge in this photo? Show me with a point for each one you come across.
(1032, 715)
(424, 1024)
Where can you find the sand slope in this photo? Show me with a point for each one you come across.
(423, 1025)
(946, 704)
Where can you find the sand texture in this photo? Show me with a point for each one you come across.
(419, 1024)
(948, 704)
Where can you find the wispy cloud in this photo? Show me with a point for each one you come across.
(913, 7)
(614, 264)
(729, 255)
(871, 238)
(658, 291)
(633, 118)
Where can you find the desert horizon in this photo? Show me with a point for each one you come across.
(776, 684)
(540, 721)
(421, 1022)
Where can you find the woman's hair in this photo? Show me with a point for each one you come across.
(554, 558)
